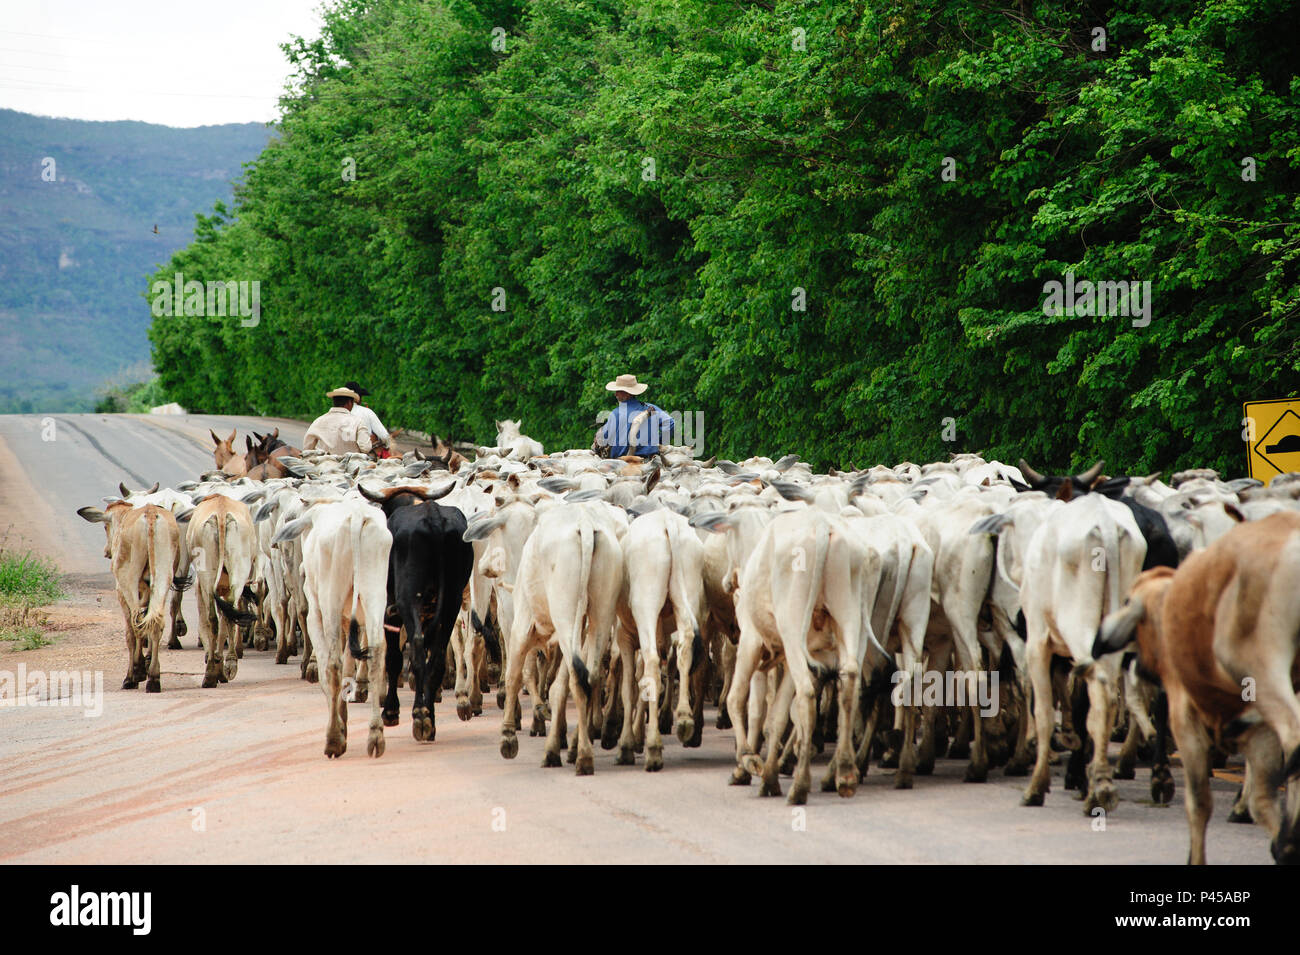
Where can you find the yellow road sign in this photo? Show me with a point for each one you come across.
(1273, 436)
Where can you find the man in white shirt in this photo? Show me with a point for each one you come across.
(338, 431)
(372, 422)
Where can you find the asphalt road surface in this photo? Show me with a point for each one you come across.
(237, 773)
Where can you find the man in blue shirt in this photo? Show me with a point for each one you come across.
(634, 421)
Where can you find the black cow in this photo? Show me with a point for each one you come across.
(428, 569)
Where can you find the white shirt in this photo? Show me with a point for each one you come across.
(373, 424)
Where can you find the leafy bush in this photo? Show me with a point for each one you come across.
(27, 583)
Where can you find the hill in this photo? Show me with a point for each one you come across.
(77, 243)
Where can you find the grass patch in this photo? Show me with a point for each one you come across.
(28, 582)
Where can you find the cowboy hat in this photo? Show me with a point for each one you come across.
(626, 383)
(357, 388)
(343, 393)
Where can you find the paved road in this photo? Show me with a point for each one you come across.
(236, 773)
(72, 460)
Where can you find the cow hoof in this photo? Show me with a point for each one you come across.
(654, 759)
(685, 730)
(130, 683)
(1032, 799)
(422, 725)
(375, 744)
(539, 726)
(798, 796)
(902, 780)
(570, 756)
(362, 693)
(625, 757)
(1125, 771)
(509, 746)
(174, 644)
(1162, 790)
(723, 722)
(550, 760)
(179, 631)
(697, 738)
(1015, 768)
(222, 678)
(739, 777)
(476, 710)
(889, 760)
(1103, 797)
(259, 640)
(846, 787)
(501, 699)
(1240, 814)
(585, 766)
(282, 655)
(925, 767)
(335, 748)
(209, 682)
(437, 695)
(828, 783)
(769, 787)
(390, 717)
(154, 685)
(545, 710)
(313, 674)
(462, 712)
(977, 774)
(752, 764)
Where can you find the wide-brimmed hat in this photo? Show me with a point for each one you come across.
(357, 388)
(627, 383)
(343, 393)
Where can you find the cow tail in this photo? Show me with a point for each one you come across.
(162, 564)
(356, 524)
(816, 571)
(586, 539)
(680, 594)
(1110, 541)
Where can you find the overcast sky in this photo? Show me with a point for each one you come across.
(176, 62)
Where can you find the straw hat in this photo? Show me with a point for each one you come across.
(343, 393)
(626, 383)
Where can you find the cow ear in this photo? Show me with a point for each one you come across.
(248, 442)
(231, 439)
(1232, 511)
(214, 437)
(1066, 491)
(92, 514)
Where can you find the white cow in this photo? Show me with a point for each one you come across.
(566, 591)
(345, 547)
(1081, 563)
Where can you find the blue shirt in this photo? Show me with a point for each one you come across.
(657, 429)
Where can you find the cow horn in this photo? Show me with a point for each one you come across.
(1027, 471)
(1090, 475)
(370, 495)
(122, 487)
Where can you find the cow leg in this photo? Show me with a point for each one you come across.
(645, 613)
(421, 670)
(628, 694)
(559, 693)
(699, 687)
(324, 632)
(804, 712)
(728, 669)
(464, 676)
(1162, 780)
(1101, 788)
(778, 718)
(747, 654)
(1038, 661)
(1126, 764)
(1194, 749)
(1278, 704)
(208, 628)
(519, 647)
(177, 618)
(1078, 709)
(689, 649)
(372, 609)
(478, 672)
(392, 708)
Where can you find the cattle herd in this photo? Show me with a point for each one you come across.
(815, 609)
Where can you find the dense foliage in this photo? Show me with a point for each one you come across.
(910, 172)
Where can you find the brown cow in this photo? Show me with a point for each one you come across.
(228, 459)
(1223, 635)
(144, 547)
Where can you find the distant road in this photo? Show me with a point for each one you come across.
(52, 464)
